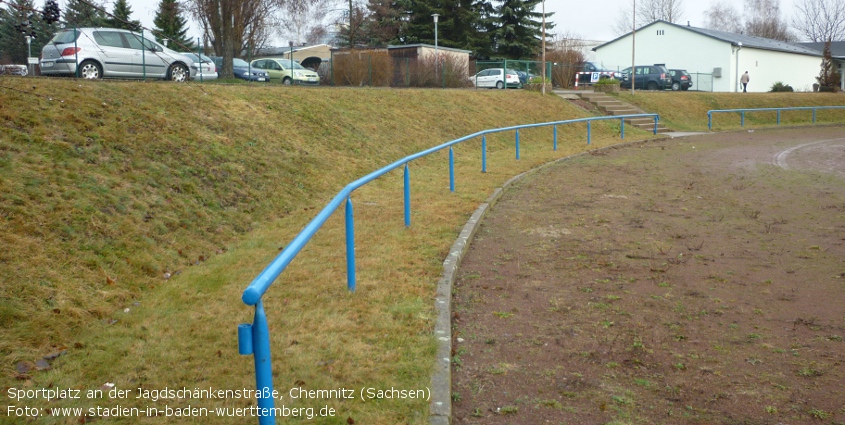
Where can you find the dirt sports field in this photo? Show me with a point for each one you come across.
(695, 280)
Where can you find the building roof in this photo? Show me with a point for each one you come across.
(837, 48)
(430, 46)
(737, 39)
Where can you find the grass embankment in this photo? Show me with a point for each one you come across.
(120, 185)
(687, 111)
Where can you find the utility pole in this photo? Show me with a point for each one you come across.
(543, 53)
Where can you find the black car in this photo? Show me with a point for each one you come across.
(648, 77)
(242, 70)
(681, 80)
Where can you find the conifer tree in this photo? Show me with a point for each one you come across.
(518, 32)
(17, 20)
(83, 13)
(170, 25)
(123, 17)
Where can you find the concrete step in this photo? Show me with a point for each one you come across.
(595, 97)
(624, 112)
(610, 109)
(601, 103)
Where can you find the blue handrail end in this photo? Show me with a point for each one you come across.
(251, 296)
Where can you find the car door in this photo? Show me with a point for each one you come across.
(117, 58)
(494, 77)
(483, 79)
(146, 62)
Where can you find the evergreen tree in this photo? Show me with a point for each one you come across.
(85, 13)
(828, 77)
(518, 32)
(458, 24)
(17, 20)
(123, 17)
(170, 25)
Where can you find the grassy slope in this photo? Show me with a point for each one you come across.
(105, 192)
(687, 111)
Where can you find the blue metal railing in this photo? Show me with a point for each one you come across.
(254, 339)
(743, 111)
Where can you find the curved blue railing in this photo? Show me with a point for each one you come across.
(743, 111)
(254, 339)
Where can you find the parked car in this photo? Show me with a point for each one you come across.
(287, 71)
(112, 53)
(242, 70)
(496, 78)
(21, 70)
(649, 77)
(681, 80)
(205, 68)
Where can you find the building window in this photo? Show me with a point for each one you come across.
(661, 32)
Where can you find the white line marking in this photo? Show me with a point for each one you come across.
(780, 157)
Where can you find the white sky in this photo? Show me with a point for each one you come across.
(571, 16)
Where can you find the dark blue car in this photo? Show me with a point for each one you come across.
(242, 70)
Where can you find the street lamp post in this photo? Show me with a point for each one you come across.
(291, 62)
(436, 57)
(28, 54)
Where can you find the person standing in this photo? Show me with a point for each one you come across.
(744, 81)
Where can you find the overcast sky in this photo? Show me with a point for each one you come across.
(571, 16)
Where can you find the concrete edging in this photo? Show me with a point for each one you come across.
(440, 407)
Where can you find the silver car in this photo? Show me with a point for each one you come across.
(206, 66)
(112, 53)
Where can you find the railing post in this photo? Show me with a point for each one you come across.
(263, 367)
(555, 139)
(655, 124)
(350, 246)
(588, 132)
(742, 118)
(778, 117)
(451, 169)
(622, 128)
(814, 115)
(483, 154)
(517, 144)
(407, 196)
(709, 121)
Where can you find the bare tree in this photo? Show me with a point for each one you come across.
(304, 19)
(233, 26)
(648, 11)
(820, 20)
(762, 19)
(723, 17)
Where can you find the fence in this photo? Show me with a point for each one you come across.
(743, 111)
(701, 81)
(254, 339)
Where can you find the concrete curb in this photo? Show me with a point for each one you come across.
(440, 407)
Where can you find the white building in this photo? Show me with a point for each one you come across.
(837, 51)
(725, 55)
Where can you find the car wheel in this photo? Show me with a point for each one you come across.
(90, 70)
(676, 86)
(500, 85)
(178, 73)
(651, 85)
(287, 81)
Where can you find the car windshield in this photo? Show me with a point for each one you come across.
(239, 63)
(65, 36)
(287, 63)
